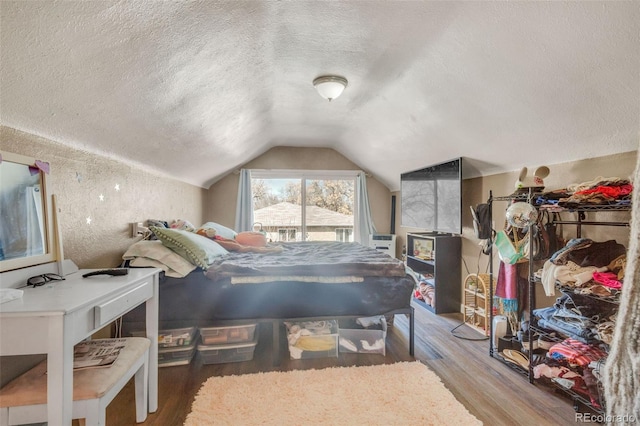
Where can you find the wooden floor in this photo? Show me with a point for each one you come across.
(493, 392)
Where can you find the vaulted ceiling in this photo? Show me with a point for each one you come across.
(196, 89)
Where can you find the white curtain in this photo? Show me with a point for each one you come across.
(244, 206)
(34, 221)
(364, 224)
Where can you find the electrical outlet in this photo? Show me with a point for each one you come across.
(137, 229)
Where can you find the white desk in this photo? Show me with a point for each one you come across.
(52, 318)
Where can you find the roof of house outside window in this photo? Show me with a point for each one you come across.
(287, 214)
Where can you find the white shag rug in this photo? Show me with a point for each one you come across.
(405, 393)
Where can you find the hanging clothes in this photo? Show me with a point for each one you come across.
(511, 291)
(507, 287)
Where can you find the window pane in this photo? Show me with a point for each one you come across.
(329, 210)
(277, 208)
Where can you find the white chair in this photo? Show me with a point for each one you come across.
(24, 399)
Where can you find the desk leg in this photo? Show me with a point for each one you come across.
(152, 334)
(59, 373)
(276, 343)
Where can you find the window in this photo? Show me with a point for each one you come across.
(327, 213)
(344, 235)
(286, 235)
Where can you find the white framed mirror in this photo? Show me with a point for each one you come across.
(26, 211)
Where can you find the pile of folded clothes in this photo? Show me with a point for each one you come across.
(576, 316)
(599, 191)
(574, 366)
(587, 267)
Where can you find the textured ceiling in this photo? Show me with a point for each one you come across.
(196, 89)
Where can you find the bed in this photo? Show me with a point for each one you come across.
(300, 280)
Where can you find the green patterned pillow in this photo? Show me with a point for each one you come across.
(199, 250)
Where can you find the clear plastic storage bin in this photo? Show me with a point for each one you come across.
(312, 339)
(228, 334)
(354, 338)
(176, 355)
(172, 337)
(232, 352)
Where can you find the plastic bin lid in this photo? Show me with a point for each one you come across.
(182, 348)
(202, 347)
(213, 327)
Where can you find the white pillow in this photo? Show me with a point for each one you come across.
(145, 262)
(156, 251)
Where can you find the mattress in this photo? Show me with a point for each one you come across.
(365, 283)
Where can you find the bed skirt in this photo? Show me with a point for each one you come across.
(195, 300)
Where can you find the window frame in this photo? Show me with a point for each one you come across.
(305, 175)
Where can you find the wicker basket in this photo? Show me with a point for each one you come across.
(477, 302)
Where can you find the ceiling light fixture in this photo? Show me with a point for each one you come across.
(330, 86)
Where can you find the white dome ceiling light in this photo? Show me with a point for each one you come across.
(330, 86)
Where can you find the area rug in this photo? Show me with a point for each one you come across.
(405, 393)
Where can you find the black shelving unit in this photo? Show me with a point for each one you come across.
(437, 256)
(580, 212)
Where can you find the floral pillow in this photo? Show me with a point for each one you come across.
(185, 225)
(219, 230)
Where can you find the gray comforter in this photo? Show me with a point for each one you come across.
(317, 258)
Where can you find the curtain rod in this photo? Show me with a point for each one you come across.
(367, 174)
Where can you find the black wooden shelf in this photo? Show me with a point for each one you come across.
(440, 262)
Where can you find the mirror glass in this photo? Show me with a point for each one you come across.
(26, 237)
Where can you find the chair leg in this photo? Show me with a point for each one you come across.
(4, 416)
(142, 391)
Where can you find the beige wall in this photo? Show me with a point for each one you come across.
(78, 179)
(476, 191)
(222, 196)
